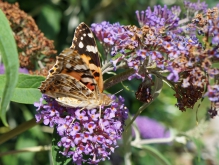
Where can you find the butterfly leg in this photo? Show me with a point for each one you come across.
(82, 109)
(100, 120)
(99, 111)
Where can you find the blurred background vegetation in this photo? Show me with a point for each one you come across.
(57, 20)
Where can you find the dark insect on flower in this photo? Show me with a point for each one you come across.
(212, 112)
(143, 93)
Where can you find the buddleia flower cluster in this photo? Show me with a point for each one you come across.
(180, 51)
(85, 135)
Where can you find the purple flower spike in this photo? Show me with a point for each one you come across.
(107, 33)
(114, 36)
(160, 17)
(83, 130)
(197, 6)
(150, 129)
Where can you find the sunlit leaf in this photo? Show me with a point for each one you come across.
(49, 21)
(26, 89)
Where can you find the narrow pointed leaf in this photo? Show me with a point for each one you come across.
(8, 52)
(156, 154)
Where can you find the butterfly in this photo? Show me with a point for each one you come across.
(76, 79)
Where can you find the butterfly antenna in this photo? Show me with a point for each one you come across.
(118, 91)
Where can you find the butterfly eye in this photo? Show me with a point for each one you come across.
(43, 91)
(57, 82)
(51, 71)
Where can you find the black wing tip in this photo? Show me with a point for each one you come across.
(83, 25)
(83, 40)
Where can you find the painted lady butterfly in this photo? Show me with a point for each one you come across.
(76, 78)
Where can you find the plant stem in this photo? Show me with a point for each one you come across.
(21, 128)
(118, 78)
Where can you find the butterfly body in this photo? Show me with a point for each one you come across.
(76, 79)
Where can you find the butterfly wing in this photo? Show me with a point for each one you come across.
(85, 44)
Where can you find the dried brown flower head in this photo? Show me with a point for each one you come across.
(31, 42)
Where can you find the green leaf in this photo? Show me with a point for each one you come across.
(49, 21)
(25, 140)
(156, 154)
(58, 158)
(26, 91)
(9, 54)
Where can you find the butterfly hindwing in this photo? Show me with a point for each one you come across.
(61, 85)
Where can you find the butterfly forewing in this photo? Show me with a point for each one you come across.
(85, 44)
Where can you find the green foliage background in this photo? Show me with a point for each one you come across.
(57, 20)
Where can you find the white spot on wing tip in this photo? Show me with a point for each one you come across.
(91, 48)
(81, 45)
(90, 35)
